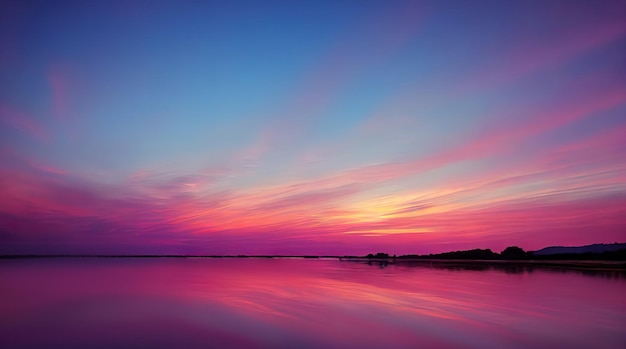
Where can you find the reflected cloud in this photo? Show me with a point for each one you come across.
(258, 303)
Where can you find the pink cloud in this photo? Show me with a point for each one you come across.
(552, 49)
(531, 226)
(55, 206)
(316, 216)
(23, 122)
(498, 140)
(47, 168)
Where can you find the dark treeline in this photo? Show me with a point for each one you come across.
(511, 253)
(243, 256)
(469, 254)
(619, 255)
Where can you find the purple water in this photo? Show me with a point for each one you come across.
(276, 303)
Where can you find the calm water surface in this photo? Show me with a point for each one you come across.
(252, 303)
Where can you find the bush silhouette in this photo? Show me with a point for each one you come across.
(513, 252)
(378, 255)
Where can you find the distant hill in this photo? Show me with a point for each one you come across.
(595, 248)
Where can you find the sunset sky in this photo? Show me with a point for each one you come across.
(311, 127)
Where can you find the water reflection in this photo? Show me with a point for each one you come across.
(273, 303)
(608, 271)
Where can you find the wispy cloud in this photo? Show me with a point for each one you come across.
(401, 127)
(23, 122)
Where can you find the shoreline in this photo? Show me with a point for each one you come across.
(599, 265)
(569, 264)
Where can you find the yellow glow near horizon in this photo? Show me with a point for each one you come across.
(391, 231)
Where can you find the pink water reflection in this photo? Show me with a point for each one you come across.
(252, 303)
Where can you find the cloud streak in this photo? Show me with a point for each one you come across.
(387, 133)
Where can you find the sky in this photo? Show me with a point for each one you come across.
(310, 127)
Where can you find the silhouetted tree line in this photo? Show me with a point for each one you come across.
(378, 255)
(619, 255)
(469, 254)
(510, 253)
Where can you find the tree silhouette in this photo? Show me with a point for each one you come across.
(513, 252)
(378, 255)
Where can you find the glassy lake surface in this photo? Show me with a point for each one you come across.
(282, 303)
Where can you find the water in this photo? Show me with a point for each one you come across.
(256, 303)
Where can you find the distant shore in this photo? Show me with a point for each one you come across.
(145, 256)
(570, 264)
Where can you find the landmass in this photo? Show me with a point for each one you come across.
(596, 256)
